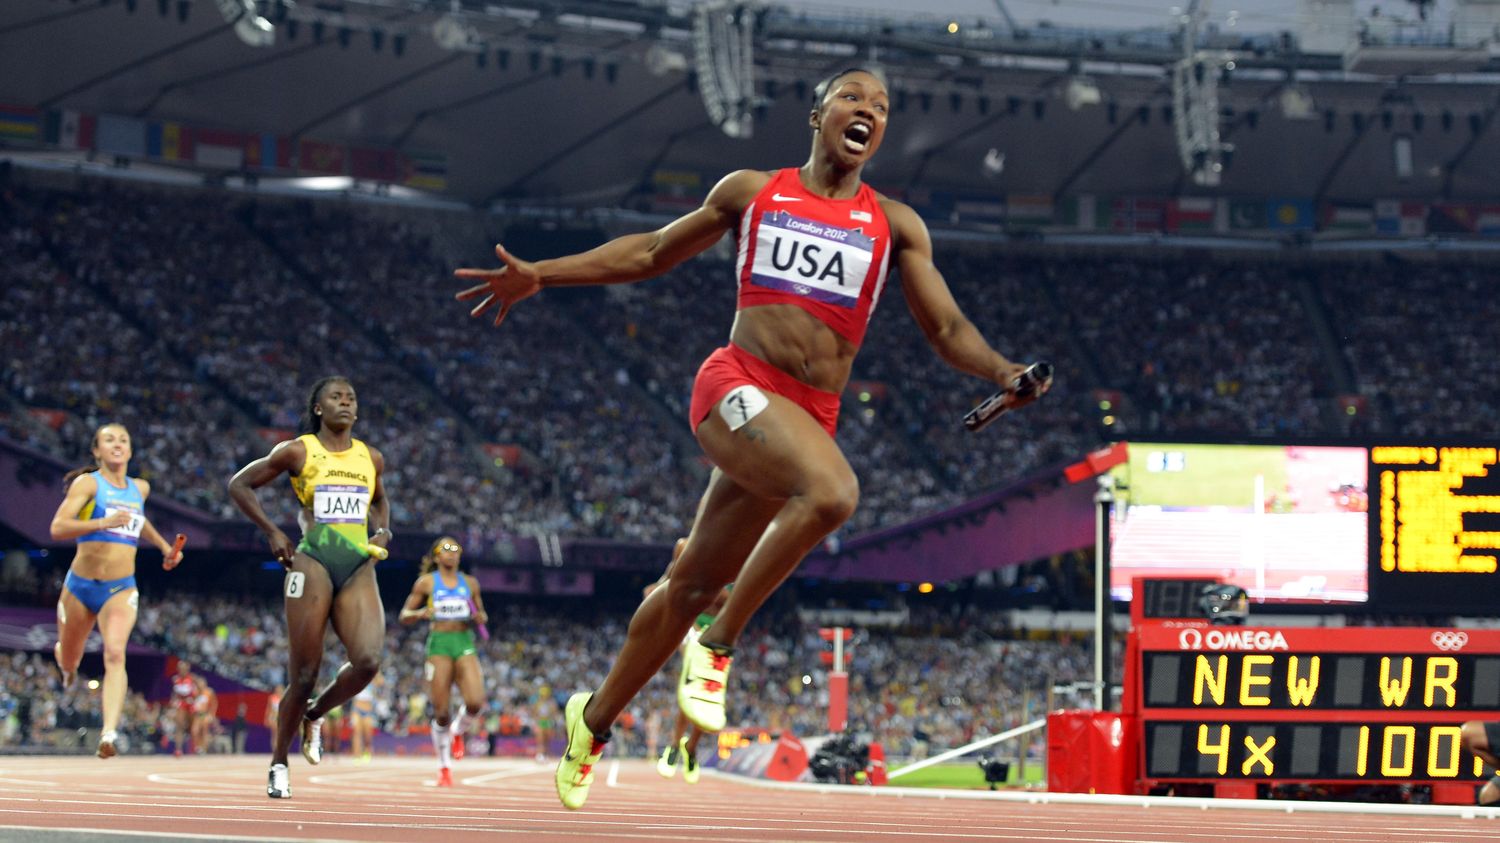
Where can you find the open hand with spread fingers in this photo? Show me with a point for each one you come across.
(500, 288)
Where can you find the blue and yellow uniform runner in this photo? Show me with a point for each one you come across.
(107, 500)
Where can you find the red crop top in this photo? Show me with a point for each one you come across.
(827, 256)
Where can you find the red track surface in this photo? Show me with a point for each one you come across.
(393, 799)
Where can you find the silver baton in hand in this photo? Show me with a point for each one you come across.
(1033, 379)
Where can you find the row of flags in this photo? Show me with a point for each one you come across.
(674, 191)
(218, 149)
(1207, 214)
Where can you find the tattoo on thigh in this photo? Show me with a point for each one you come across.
(754, 434)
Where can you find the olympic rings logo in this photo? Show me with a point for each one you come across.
(1448, 641)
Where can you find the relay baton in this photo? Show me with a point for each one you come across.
(1033, 380)
(479, 627)
(177, 545)
(376, 552)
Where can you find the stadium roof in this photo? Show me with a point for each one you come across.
(582, 102)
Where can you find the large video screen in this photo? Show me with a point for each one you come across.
(1288, 523)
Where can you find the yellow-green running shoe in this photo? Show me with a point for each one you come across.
(700, 690)
(667, 763)
(689, 762)
(575, 770)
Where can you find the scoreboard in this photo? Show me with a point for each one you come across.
(1414, 527)
(1434, 528)
(1372, 704)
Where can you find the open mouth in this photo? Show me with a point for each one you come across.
(857, 137)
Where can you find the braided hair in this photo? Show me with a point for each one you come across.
(312, 421)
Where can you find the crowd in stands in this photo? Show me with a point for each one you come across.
(942, 680)
(66, 349)
(37, 711)
(600, 460)
(1204, 347)
(936, 683)
(1418, 349)
(201, 318)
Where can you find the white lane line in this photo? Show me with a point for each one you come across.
(165, 835)
(806, 822)
(602, 829)
(1104, 799)
(286, 813)
(162, 778)
(356, 775)
(615, 825)
(475, 781)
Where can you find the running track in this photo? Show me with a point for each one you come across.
(223, 797)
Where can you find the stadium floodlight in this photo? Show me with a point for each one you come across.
(1195, 103)
(1081, 91)
(663, 60)
(249, 25)
(1297, 103)
(724, 58)
(452, 32)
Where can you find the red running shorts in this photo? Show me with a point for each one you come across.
(732, 366)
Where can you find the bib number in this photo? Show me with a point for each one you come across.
(811, 259)
(295, 582)
(131, 530)
(450, 609)
(340, 504)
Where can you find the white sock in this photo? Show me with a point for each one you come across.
(461, 722)
(442, 744)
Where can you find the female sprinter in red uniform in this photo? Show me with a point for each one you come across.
(815, 244)
(205, 716)
(105, 511)
(330, 573)
(184, 694)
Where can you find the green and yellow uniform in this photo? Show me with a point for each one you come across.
(334, 489)
(451, 603)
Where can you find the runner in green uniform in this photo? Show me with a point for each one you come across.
(450, 599)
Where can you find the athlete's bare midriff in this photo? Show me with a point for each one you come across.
(104, 560)
(796, 342)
